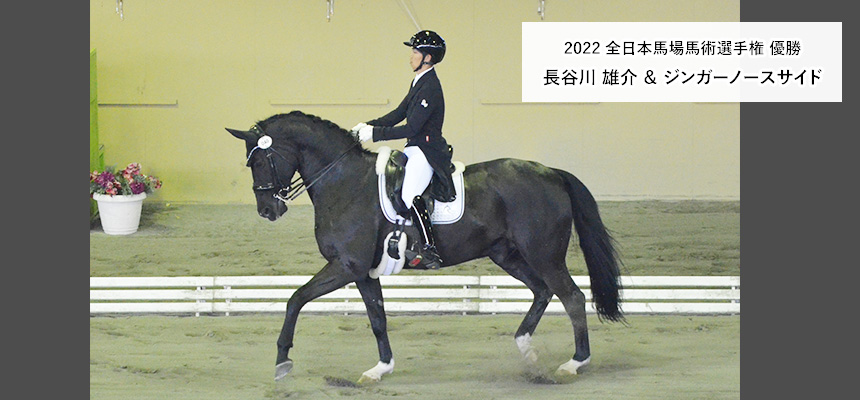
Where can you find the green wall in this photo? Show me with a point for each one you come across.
(173, 74)
(96, 156)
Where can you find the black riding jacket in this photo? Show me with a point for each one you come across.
(424, 111)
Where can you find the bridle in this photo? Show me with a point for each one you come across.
(286, 193)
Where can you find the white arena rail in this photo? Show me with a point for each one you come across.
(403, 294)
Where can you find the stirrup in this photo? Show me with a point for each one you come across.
(427, 258)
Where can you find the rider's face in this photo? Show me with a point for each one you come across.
(415, 59)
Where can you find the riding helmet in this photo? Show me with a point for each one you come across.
(428, 42)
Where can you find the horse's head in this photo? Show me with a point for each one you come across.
(284, 144)
(272, 166)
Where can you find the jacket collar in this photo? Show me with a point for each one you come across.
(418, 77)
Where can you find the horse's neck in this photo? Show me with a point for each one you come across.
(328, 173)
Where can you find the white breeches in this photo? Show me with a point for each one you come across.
(417, 176)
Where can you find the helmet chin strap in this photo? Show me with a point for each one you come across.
(424, 56)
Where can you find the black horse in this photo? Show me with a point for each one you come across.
(517, 213)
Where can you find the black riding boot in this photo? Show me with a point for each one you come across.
(427, 255)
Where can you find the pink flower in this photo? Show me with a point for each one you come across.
(133, 169)
(137, 187)
(105, 179)
(153, 181)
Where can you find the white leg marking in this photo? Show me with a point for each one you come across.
(571, 367)
(374, 374)
(524, 343)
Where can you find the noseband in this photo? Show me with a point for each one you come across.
(287, 193)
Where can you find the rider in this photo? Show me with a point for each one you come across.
(428, 152)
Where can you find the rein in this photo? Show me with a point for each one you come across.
(289, 193)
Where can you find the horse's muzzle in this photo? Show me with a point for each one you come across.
(272, 214)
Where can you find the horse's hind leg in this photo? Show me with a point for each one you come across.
(560, 282)
(513, 263)
(548, 261)
(371, 293)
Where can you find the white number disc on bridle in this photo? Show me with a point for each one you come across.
(264, 142)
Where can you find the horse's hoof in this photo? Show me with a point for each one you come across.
(374, 375)
(368, 380)
(571, 368)
(282, 369)
(528, 352)
(530, 357)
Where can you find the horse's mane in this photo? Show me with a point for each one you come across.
(311, 120)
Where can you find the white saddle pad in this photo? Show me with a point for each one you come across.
(443, 213)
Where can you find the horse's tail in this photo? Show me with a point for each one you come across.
(598, 248)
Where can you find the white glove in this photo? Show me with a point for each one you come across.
(365, 133)
(358, 127)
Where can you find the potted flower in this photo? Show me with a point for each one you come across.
(120, 197)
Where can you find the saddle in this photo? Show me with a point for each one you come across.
(390, 169)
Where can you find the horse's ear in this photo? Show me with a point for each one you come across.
(244, 135)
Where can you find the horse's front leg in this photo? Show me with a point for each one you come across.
(371, 293)
(332, 277)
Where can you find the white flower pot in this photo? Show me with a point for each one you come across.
(120, 215)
